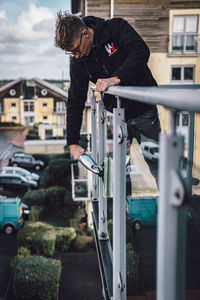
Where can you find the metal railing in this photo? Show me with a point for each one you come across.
(173, 192)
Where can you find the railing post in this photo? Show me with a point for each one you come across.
(171, 220)
(119, 205)
(190, 152)
(103, 228)
(94, 144)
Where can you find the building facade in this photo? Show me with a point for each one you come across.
(35, 101)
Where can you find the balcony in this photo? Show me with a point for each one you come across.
(184, 44)
(175, 191)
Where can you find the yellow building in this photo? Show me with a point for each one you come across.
(34, 101)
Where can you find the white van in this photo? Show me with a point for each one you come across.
(150, 150)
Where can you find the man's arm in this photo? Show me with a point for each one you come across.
(75, 106)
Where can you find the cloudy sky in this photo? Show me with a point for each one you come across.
(27, 39)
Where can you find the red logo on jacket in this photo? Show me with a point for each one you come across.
(110, 48)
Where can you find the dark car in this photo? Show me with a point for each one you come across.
(26, 161)
(15, 182)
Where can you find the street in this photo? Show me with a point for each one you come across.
(7, 148)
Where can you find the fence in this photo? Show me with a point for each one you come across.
(172, 188)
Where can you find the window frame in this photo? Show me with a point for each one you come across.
(182, 80)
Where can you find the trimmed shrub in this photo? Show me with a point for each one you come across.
(64, 237)
(21, 252)
(32, 136)
(32, 235)
(37, 277)
(58, 173)
(83, 242)
(35, 212)
(10, 124)
(55, 195)
(44, 243)
(132, 262)
(37, 197)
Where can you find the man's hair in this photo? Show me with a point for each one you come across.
(68, 28)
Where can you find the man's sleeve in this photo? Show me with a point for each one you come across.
(76, 101)
(137, 52)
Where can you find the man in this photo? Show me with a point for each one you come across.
(107, 53)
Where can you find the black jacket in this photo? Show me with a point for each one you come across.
(117, 51)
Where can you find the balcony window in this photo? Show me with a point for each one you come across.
(184, 36)
(28, 106)
(183, 74)
(60, 107)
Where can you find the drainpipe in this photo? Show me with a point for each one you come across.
(111, 9)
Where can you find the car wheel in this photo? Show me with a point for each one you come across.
(8, 229)
(37, 167)
(137, 225)
(15, 165)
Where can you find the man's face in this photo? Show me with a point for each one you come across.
(82, 45)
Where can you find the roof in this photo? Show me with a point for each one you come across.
(10, 84)
(52, 88)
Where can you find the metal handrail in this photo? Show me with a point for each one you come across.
(171, 235)
(174, 98)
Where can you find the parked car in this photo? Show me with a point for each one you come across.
(26, 161)
(15, 182)
(23, 172)
(150, 150)
(142, 211)
(10, 214)
(25, 211)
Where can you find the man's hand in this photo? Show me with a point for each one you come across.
(104, 83)
(76, 151)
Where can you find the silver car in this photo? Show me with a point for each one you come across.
(17, 170)
(26, 161)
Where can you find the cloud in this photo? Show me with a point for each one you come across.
(27, 44)
(2, 14)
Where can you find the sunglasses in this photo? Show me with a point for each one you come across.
(77, 49)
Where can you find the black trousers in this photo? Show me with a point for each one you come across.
(147, 124)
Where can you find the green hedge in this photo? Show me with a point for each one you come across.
(10, 124)
(64, 237)
(52, 197)
(55, 195)
(34, 235)
(44, 243)
(35, 212)
(37, 277)
(36, 197)
(42, 238)
(132, 262)
(58, 172)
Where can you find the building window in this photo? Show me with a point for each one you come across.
(184, 37)
(182, 74)
(28, 106)
(185, 119)
(44, 117)
(13, 104)
(60, 107)
(14, 118)
(48, 134)
(44, 104)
